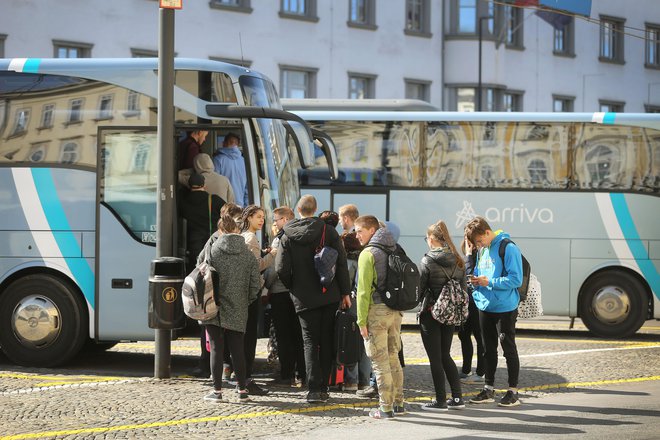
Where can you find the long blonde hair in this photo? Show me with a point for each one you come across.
(439, 232)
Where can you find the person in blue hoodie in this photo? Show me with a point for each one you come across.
(496, 296)
(229, 162)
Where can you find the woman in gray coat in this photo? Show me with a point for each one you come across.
(238, 286)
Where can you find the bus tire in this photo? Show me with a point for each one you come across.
(43, 321)
(613, 304)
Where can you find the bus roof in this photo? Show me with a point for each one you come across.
(647, 120)
(398, 105)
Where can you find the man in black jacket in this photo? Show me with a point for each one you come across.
(315, 307)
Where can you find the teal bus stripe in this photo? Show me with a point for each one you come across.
(649, 271)
(32, 65)
(609, 118)
(66, 240)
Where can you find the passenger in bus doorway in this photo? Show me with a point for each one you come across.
(190, 147)
(229, 162)
(215, 183)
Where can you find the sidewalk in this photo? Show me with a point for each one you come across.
(630, 411)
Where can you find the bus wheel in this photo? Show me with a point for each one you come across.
(613, 304)
(42, 321)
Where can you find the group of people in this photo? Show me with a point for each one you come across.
(303, 311)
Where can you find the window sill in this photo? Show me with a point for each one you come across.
(131, 113)
(241, 9)
(422, 34)
(45, 127)
(365, 26)
(611, 61)
(564, 54)
(106, 118)
(307, 18)
(652, 66)
(514, 47)
(17, 134)
(66, 124)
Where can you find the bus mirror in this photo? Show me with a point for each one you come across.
(304, 145)
(329, 151)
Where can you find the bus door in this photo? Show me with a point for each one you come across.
(127, 184)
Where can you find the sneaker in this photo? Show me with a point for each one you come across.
(472, 379)
(226, 373)
(455, 403)
(324, 396)
(214, 397)
(377, 413)
(367, 393)
(509, 399)
(200, 372)
(255, 389)
(485, 396)
(243, 395)
(350, 387)
(314, 397)
(462, 375)
(399, 410)
(435, 406)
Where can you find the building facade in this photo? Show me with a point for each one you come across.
(424, 49)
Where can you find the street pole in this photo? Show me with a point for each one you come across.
(165, 204)
(481, 24)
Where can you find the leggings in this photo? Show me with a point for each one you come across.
(437, 342)
(235, 345)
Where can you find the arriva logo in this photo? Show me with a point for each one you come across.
(504, 215)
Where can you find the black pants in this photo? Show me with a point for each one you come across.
(318, 330)
(289, 336)
(472, 327)
(205, 357)
(500, 326)
(437, 342)
(234, 339)
(250, 341)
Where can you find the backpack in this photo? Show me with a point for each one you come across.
(325, 262)
(527, 269)
(453, 302)
(197, 293)
(401, 280)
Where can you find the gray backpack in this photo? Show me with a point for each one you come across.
(198, 293)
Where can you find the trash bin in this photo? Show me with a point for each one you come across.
(165, 282)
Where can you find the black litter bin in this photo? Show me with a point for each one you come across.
(165, 282)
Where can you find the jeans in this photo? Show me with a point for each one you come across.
(360, 372)
(289, 336)
(234, 339)
(500, 326)
(472, 327)
(318, 330)
(383, 345)
(437, 339)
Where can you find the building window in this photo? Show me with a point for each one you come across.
(652, 53)
(538, 172)
(467, 16)
(47, 116)
(465, 99)
(362, 14)
(562, 103)
(105, 107)
(70, 49)
(69, 152)
(133, 102)
(564, 39)
(513, 26)
(361, 86)
(611, 106)
(297, 82)
(75, 111)
(141, 158)
(3, 37)
(649, 108)
(21, 121)
(611, 40)
(299, 9)
(232, 5)
(512, 101)
(418, 89)
(38, 152)
(418, 18)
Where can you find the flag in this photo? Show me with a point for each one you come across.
(557, 20)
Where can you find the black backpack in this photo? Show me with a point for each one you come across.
(401, 280)
(526, 267)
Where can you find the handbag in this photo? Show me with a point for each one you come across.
(532, 306)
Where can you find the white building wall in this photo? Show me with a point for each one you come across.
(332, 47)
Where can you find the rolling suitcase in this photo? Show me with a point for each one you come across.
(348, 340)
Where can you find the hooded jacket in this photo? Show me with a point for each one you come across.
(238, 281)
(213, 182)
(372, 272)
(229, 162)
(432, 278)
(501, 294)
(194, 207)
(294, 264)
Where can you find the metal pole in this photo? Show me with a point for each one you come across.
(479, 84)
(165, 205)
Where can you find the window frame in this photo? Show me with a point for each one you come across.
(510, 20)
(516, 103)
(104, 114)
(74, 153)
(78, 112)
(612, 104)
(310, 79)
(47, 109)
(242, 6)
(568, 39)
(369, 22)
(84, 49)
(21, 114)
(655, 43)
(424, 30)
(3, 38)
(370, 84)
(616, 40)
(425, 84)
(565, 99)
(310, 13)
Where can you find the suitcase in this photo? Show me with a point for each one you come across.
(348, 341)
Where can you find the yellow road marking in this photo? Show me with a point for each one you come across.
(302, 410)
